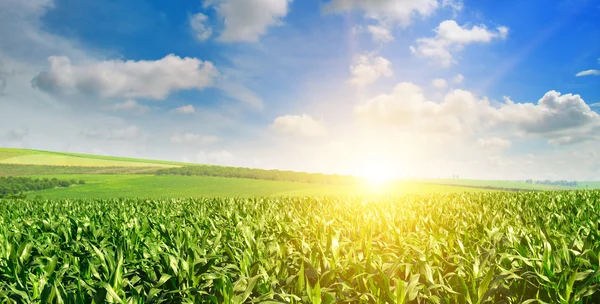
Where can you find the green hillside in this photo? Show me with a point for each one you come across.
(109, 177)
(45, 158)
(150, 186)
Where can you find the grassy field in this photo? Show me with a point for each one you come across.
(6, 153)
(30, 170)
(73, 161)
(130, 236)
(109, 177)
(589, 185)
(9, 153)
(494, 183)
(130, 177)
(125, 159)
(149, 186)
(487, 247)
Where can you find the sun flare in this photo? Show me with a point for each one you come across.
(377, 173)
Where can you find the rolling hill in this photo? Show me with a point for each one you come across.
(110, 177)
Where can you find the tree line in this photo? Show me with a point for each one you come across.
(15, 187)
(565, 183)
(277, 175)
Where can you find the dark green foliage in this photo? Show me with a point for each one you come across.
(14, 187)
(237, 172)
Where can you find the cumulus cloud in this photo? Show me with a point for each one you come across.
(189, 138)
(241, 93)
(300, 125)
(130, 105)
(126, 133)
(200, 26)
(458, 79)
(222, 157)
(369, 69)
(588, 73)
(554, 112)
(572, 139)
(187, 109)
(451, 37)
(380, 34)
(128, 79)
(455, 5)
(399, 12)
(439, 83)
(406, 107)
(247, 20)
(558, 118)
(494, 143)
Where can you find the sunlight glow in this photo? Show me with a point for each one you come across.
(376, 173)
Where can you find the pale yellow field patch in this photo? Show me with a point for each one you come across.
(73, 161)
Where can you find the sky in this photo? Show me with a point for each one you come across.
(413, 88)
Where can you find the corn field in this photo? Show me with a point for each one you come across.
(484, 247)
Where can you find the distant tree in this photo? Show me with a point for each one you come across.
(233, 172)
(15, 187)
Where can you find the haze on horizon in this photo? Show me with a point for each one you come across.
(408, 88)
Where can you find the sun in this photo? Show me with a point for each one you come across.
(376, 173)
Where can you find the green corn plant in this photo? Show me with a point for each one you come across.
(494, 247)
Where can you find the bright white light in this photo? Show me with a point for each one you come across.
(376, 173)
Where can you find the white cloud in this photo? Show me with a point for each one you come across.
(33, 39)
(406, 107)
(189, 138)
(56, 125)
(439, 83)
(369, 69)
(380, 34)
(588, 73)
(386, 11)
(130, 105)
(455, 5)
(187, 109)
(494, 143)
(222, 157)
(458, 79)
(247, 20)
(451, 37)
(129, 79)
(241, 93)
(301, 125)
(126, 133)
(461, 112)
(572, 139)
(554, 112)
(201, 27)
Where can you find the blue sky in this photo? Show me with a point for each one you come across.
(432, 88)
